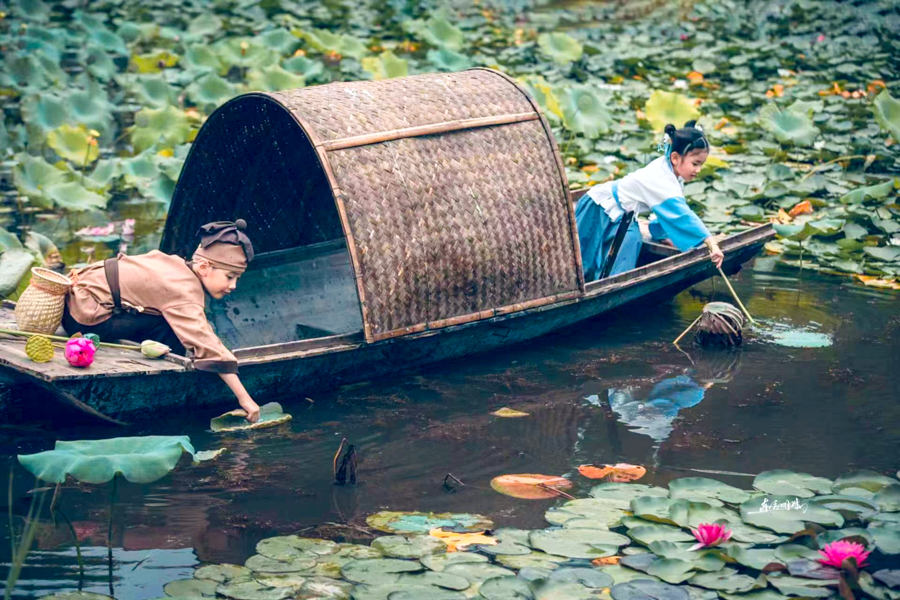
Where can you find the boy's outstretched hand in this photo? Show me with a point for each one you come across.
(251, 408)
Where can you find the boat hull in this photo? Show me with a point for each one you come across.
(300, 373)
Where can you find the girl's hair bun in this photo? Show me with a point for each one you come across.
(691, 123)
(670, 130)
(240, 224)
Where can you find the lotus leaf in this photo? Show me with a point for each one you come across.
(583, 111)
(279, 39)
(414, 546)
(703, 489)
(328, 42)
(288, 547)
(222, 573)
(578, 543)
(200, 57)
(621, 494)
(597, 512)
(252, 590)
(15, 264)
(210, 91)
(647, 534)
(204, 25)
(754, 559)
(385, 66)
(886, 536)
(138, 459)
(165, 126)
(535, 560)
(379, 571)
(645, 589)
(74, 143)
(154, 62)
(561, 48)
(878, 191)
(663, 108)
(796, 586)
(786, 514)
(263, 564)
(245, 53)
(478, 572)
(311, 70)
(448, 60)
(437, 31)
(789, 127)
(270, 415)
(887, 113)
(325, 588)
(438, 562)
(728, 580)
(865, 479)
(191, 587)
(889, 577)
(273, 78)
(46, 111)
(788, 483)
(419, 522)
(505, 588)
(74, 196)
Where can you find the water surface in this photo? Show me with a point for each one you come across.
(610, 390)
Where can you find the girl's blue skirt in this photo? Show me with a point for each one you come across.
(596, 233)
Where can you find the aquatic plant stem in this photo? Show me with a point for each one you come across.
(109, 523)
(735, 296)
(684, 333)
(815, 169)
(77, 545)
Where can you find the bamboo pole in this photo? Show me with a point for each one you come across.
(735, 296)
(59, 338)
(684, 333)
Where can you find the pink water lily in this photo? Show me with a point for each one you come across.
(80, 352)
(833, 554)
(710, 534)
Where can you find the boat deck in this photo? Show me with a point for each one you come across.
(108, 362)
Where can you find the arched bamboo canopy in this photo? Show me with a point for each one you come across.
(448, 190)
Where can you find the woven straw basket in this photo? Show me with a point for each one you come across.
(40, 307)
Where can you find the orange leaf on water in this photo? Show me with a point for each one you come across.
(530, 486)
(606, 560)
(456, 541)
(618, 473)
(802, 208)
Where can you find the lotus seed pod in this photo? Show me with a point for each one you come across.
(152, 349)
(39, 349)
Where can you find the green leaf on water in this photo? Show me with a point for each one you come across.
(385, 66)
(561, 48)
(165, 127)
(448, 60)
(74, 196)
(270, 415)
(420, 522)
(704, 489)
(875, 192)
(663, 108)
(788, 127)
(74, 143)
(154, 62)
(437, 31)
(577, 543)
(273, 79)
(32, 176)
(887, 113)
(786, 514)
(583, 111)
(414, 546)
(864, 478)
(137, 459)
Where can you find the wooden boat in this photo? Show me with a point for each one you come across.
(397, 223)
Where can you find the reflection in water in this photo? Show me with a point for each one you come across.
(653, 414)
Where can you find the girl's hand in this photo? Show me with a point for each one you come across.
(251, 408)
(715, 253)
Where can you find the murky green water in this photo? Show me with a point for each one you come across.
(611, 390)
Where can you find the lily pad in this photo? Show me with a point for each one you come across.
(647, 534)
(621, 494)
(561, 48)
(887, 536)
(865, 479)
(530, 486)
(137, 459)
(622, 574)
(222, 573)
(796, 586)
(584, 112)
(289, 547)
(788, 127)
(438, 562)
(385, 66)
(420, 522)
(888, 498)
(442, 580)
(588, 577)
(578, 543)
(727, 580)
(325, 588)
(164, 127)
(647, 590)
(415, 546)
(379, 571)
(477, 572)
(887, 113)
(753, 558)
(505, 588)
(588, 511)
(263, 564)
(191, 587)
(703, 489)
(535, 560)
(252, 590)
(782, 482)
(270, 415)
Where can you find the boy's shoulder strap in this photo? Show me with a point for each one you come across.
(111, 268)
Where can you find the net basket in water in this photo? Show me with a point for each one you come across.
(40, 307)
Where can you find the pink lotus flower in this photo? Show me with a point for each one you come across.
(710, 534)
(80, 352)
(833, 554)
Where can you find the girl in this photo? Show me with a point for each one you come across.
(161, 297)
(658, 187)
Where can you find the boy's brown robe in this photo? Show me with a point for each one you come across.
(159, 284)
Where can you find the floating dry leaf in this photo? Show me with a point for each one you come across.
(618, 473)
(530, 486)
(509, 412)
(456, 541)
(606, 560)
